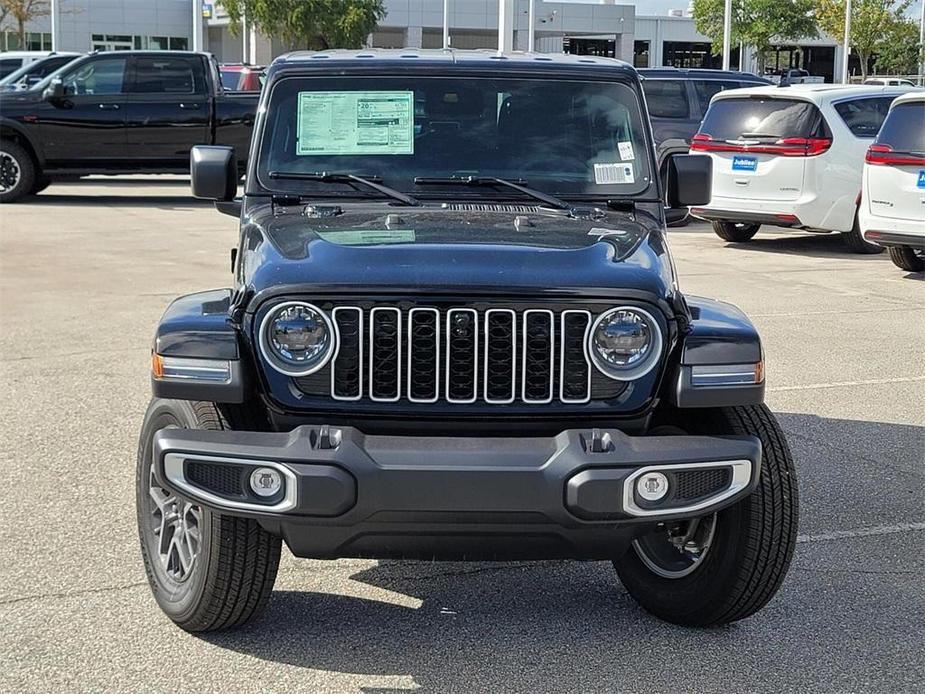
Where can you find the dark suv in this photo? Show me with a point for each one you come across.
(678, 100)
(455, 332)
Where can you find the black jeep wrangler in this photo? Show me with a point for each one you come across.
(455, 332)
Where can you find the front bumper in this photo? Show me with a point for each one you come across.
(347, 494)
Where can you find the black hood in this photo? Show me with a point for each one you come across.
(464, 246)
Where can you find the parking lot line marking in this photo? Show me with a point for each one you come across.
(843, 384)
(862, 532)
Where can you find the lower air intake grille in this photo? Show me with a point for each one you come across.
(225, 480)
(694, 484)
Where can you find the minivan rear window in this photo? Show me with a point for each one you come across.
(734, 119)
(904, 128)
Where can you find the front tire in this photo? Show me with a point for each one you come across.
(745, 549)
(17, 172)
(734, 231)
(207, 571)
(907, 258)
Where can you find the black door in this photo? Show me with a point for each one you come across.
(167, 109)
(86, 127)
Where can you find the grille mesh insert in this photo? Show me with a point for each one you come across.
(693, 484)
(226, 480)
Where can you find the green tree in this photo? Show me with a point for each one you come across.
(899, 52)
(315, 24)
(873, 24)
(756, 23)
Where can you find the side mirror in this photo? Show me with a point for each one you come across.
(690, 180)
(214, 172)
(54, 91)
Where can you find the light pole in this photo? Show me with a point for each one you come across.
(53, 11)
(846, 48)
(197, 25)
(531, 20)
(922, 47)
(506, 25)
(727, 33)
(446, 24)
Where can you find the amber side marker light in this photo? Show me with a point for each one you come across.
(186, 369)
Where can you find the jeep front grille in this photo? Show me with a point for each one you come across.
(460, 355)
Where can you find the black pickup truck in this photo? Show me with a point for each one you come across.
(119, 112)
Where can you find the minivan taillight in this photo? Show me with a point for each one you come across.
(883, 155)
(784, 147)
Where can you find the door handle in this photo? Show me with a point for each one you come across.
(109, 107)
(190, 106)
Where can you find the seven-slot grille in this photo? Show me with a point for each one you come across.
(461, 355)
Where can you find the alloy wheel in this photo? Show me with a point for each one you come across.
(177, 528)
(10, 172)
(676, 550)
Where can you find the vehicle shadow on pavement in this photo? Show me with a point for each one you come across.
(813, 245)
(131, 199)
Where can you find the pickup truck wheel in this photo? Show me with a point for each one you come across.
(907, 258)
(856, 242)
(734, 231)
(723, 567)
(17, 172)
(207, 571)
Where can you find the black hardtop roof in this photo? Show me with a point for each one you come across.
(447, 60)
(700, 73)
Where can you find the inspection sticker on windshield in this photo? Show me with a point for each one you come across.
(613, 173)
(626, 151)
(344, 123)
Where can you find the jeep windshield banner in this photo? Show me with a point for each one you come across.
(355, 123)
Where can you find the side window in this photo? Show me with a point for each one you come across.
(96, 77)
(666, 98)
(167, 75)
(705, 89)
(864, 116)
(9, 66)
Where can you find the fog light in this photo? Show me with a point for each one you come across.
(652, 486)
(266, 481)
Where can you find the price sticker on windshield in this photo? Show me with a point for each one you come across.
(350, 123)
(606, 174)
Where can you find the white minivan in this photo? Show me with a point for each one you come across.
(790, 157)
(892, 212)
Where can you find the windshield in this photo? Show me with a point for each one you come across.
(230, 79)
(567, 138)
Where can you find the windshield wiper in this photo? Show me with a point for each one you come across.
(371, 182)
(517, 184)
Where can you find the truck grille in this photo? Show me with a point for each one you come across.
(460, 355)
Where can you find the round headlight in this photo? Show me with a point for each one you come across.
(625, 343)
(297, 338)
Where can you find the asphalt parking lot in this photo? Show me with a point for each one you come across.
(86, 271)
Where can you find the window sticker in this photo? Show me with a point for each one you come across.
(345, 123)
(368, 237)
(605, 174)
(626, 151)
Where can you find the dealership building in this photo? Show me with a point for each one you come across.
(599, 28)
